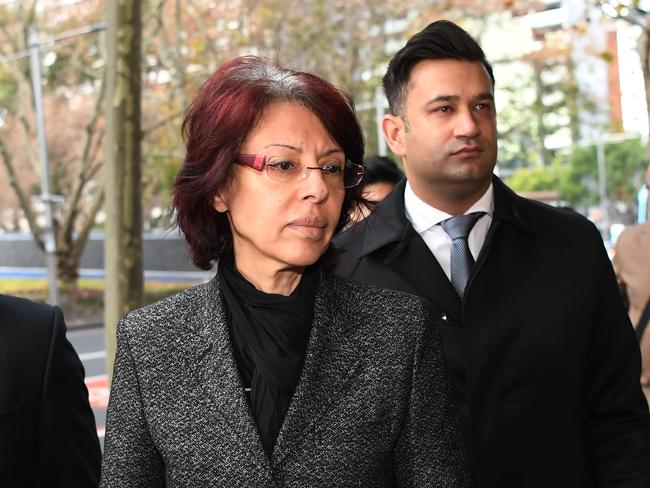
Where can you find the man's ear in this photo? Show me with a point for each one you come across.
(219, 203)
(393, 127)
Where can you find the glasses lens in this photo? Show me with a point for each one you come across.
(288, 170)
(282, 169)
(352, 175)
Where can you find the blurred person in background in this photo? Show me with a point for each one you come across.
(380, 177)
(543, 360)
(643, 199)
(277, 372)
(632, 265)
(48, 436)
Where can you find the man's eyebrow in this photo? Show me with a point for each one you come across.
(455, 98)
(444, 98)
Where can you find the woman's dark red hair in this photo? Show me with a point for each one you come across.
(225, 109)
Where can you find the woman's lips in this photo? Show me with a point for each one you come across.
(310, 227)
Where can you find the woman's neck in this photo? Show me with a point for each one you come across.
(270, 279)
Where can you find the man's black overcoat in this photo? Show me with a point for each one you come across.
(544, 361)
(47, 429)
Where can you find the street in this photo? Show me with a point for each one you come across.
(89, 344)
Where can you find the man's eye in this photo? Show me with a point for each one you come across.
(282, 166)
(444, 109)
(483, 106)
(332, 168)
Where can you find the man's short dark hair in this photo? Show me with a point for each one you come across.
(439, 40)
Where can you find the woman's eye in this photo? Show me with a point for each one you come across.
(287, 165)
(332, 168)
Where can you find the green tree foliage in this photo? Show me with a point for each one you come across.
(624, 165)
(540, 178)
(574, 175)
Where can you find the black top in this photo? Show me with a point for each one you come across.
(48, 435)
(269, 335)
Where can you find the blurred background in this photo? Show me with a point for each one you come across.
(572, 89)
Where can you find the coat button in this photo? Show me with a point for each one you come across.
(444, 317)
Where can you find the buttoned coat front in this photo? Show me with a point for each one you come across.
(371, 408)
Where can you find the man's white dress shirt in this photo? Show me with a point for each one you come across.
(426, 222)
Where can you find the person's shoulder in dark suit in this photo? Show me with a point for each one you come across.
(47, 429)
(563, 225)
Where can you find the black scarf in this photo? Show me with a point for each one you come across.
(269, 335)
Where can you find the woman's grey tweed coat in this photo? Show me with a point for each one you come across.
(371, 409)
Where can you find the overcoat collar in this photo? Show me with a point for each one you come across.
(212, 359)
(333, 355)
(388, 224)
(411, 258)
(508, 208)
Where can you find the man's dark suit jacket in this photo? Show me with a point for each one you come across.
(544, 361)
(47, 429)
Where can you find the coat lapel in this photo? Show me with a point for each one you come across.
(213, 361)
(330, 363)
(416, 264)
(407, 253)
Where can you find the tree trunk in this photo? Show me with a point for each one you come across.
(540, 110)
(68, 275)
(67, 267)
(123, 242)
(644, 51)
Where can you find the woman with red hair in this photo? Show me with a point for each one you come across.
(276, 372)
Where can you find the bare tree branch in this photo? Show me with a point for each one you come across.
(155, 16)
(88, 223)
(198, 20)
(22, 197)
(94, 169)
(99, 140)
(80, 178)
(171, 54)
(161, 123)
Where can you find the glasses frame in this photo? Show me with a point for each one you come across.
(258, 163)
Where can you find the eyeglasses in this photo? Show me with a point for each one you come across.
(286, 170)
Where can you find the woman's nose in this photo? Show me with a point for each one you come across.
(314, 184)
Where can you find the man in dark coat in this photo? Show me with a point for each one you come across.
(542, 357)
(47, 429)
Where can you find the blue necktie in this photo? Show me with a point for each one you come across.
(458, 227)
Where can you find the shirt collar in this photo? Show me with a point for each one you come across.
(423, 216)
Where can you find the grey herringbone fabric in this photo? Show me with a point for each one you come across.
(372, 407)
(462, 262)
